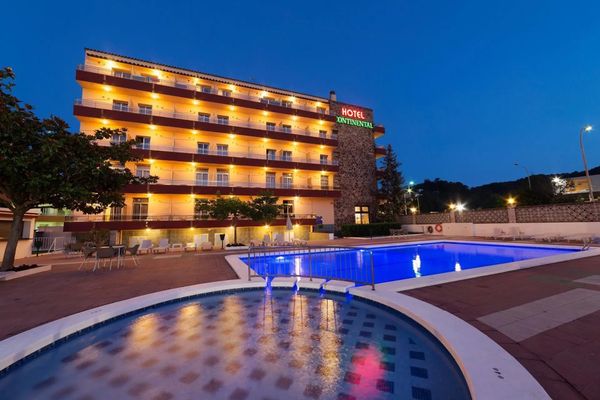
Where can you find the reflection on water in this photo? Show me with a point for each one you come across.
(416, 264)
(457, 267)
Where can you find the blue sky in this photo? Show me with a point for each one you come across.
(463, 88)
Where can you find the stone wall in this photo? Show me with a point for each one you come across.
(356, 178)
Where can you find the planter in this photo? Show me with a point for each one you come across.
(10, 275)
(237, 248)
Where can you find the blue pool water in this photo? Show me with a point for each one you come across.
(246, 345)
(397, 262)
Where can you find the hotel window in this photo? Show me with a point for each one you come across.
(286, 103)
(203, 148)
(334, 134)
(142, 170)
(222, 177)
(321, 110)
(226, 93)
(361, 215)
(288, 207)
(286, 128)
(140, 208)
(222, 149)
(120, 105)
(270, 126)
(149, 78)
(322, 134)
(202, 176)
(118, 138)
(286, 155)
(287, 181)
(222, 120)
(323, 159)
(116, 213)
(206, 89)
(270, 180)
(143, 142)
(119, 73)
(203, 117)
(180, 85)
(145, 109)
(324, 182)
(271, 154)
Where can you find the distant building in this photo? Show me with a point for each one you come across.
(579, 185)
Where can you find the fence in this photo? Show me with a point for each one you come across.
(322, 262)
(571, 212)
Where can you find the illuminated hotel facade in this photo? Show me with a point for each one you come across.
(205, 135)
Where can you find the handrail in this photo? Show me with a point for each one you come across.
(189, 116)
(230, 184)
(183, 85)
(170, 217)
(322, 262)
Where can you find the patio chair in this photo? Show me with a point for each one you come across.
(206, 246)
(105, 253)
(163, 245)
(145, 247)
(73, 248)
(190, 246)
(133, 253)
(87, 252)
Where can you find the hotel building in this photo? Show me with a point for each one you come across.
(205, 135)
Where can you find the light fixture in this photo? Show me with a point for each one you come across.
(110, 64)
(460, 207)
(193, 163)
(452, 206)
(151, 160)
(106, 88)
(194, 132)
(295, 143)
(153, 127)
(230, 166)
(149, 194)
(265, 113)
(295, 118)
(320, 122)
(193, 196)
(195, 102)
(295, 170)
(231, 136)
(232, 87)
(321, 146)
(232, 108)
(104, 122)
(265, 139)
(511, 201)
(263, 94)
(413, 210)
(588, 128)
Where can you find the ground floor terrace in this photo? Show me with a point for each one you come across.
(563, 357)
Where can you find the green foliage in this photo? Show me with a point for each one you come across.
(223, 208)
(367, 230)
(42, 162)
(390, 188)
(264, 208)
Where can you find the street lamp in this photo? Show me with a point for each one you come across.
(587, 128)
(527, 172)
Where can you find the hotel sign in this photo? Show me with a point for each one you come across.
(353, 116)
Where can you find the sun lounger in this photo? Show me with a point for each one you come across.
(163, 246)
(145, 247)
(499, 234)
(206, 246)
(190, 246)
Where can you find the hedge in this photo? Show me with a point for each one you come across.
(367, 230)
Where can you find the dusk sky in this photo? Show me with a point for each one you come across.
(463, 88)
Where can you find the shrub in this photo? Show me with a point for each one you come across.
(367, 230)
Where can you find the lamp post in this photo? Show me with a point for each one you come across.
(527, 172)
(587, 128)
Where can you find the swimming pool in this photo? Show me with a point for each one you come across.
(392, 263)
(246, 345)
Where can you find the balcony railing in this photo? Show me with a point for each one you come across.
(183, 217)
(195, 117)
(253, 155)
(201, 89)
(239, 184)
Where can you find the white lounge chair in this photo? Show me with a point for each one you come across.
(190, 246)
(206, 246)
(145, 247)
(579, 237)
(499, 234)
(517, 234)
(163, 246)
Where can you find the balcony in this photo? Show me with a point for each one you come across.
(84, 223)
(100, 75)
(186, 120)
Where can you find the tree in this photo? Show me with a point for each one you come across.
(225, 208)
(264, 208)
(390, 187)
(42, 162)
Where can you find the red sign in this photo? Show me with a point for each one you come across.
(353, 113)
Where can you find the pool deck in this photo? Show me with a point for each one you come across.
(562, 353)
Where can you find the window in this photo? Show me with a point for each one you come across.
(149, 78)
(361, 214)
(222, 119)
(287, 181)
(288, 207)
(206, 89)
(271, 154)
(222, 149)
(203, 148)
(322, 134)
(286, 103)
(270, 126)
(140, 208)
(119, 73)
(334, 134)
(324, 182)
(226, 93)
(203, 117)
(143, 142)
(270, 180)
(321, 110)
(286, 128)
(269, 100)
(323, 159)
(202, 176)
(286, 155)
(118, 138)
(116, 213)
(145, 109)
(180, 85)
(142, 170)
(222, 177)
(119, 105)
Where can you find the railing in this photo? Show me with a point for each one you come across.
(188, 116)
(240, 184)
(191, 149)
(198, 88)
(349, 264)
(165, 218)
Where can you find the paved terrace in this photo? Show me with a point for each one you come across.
(547, 317)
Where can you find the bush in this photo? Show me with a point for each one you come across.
(367, 230)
